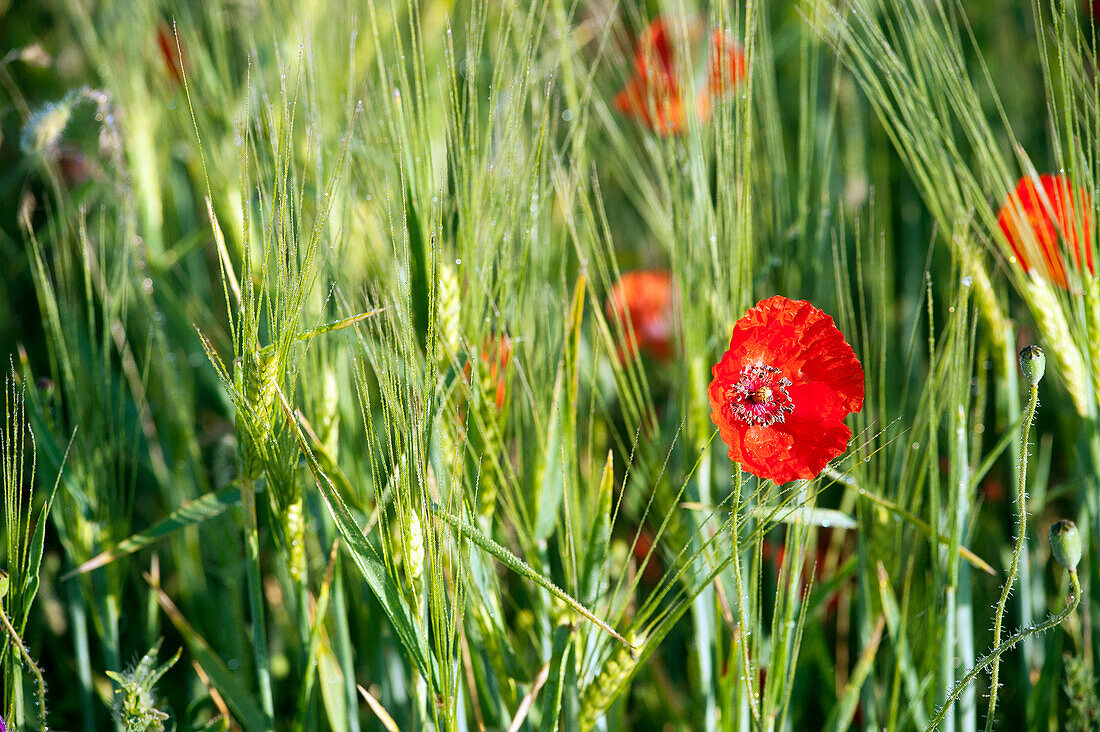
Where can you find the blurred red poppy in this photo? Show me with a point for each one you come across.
(643, 545)
(774, 551)
(653, 94)
(642, 302)
(1033, 219)
(497, 355)
(170, 53)
(993, 490)
(781, 392)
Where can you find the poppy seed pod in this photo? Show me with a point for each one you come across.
(1033, 364)
(1065, 543)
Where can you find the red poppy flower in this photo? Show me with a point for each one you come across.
(643, 299)
(496, 354)
(1034, 217)
(653, 95)
(781, 392)
(170, 53)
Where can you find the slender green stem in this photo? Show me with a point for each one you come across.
(256, 601)
(112, 650)
(947, 657)
(742, 617)
(1021, 540)
(702, 609)
(307, 638)
(1010, 398)
(78, 616)
(964, 608)
(1006, 646)
(343, 644)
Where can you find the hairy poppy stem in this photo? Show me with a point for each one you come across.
(1006, 646)
(1017, 552)
(40, 684)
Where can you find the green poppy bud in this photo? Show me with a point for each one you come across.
(1033, 363)
(1065, 543)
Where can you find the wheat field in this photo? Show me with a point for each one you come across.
(551, 365)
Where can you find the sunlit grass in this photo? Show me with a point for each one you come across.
(310, 325)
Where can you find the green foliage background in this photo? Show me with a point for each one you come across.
(259, 260)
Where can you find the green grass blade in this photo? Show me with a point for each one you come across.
(317, 626)
(912, 518)
(599, 534)
(550, 471)
(191, 513)
(38, 541)
(418, 270)
(807, 515)
(236, 695)
(365, 556)
(843, 713)
(523, 569)
(560, 654)
(892, 614)
(331, 685)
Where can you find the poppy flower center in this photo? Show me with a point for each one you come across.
(763, 395)
(760, 396)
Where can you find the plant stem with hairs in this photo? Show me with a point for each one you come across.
(1021, 537)
(1006, 646)
(28, 662)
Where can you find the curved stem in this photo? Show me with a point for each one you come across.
(17, 642)
(1021, 540)
(1006, 646)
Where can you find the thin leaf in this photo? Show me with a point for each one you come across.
(418, 270)
(227, 683)
(549, 470)
(38, 541)
(595, 554)
(365, 556)
(523, 569)
(332, 685)
(807, 515)
(192, 513)
(892, 613)
(912, 518)
(845, 710)
(551, 709)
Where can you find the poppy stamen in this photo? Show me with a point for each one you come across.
(763, 395)
(759, 398)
